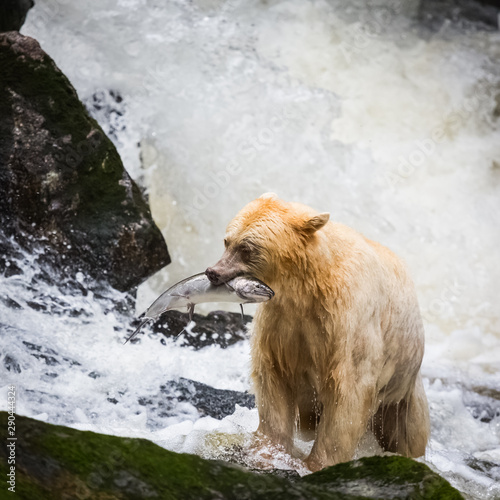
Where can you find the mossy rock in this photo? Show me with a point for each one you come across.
(54, 462)
(64, 192)
(384, 477)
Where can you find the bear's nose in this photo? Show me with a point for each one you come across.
(213, 275)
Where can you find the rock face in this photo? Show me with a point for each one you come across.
(59, 462)
(64, 192)
(13, 13)
(216, 403)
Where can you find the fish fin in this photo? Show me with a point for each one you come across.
(191, 311)
(190, 308)
(143, 322)
(242, 314)
(179, 334)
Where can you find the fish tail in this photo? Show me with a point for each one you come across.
(143, 322)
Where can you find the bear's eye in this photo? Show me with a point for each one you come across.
(245, 251)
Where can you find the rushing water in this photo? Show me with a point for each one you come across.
(359, 111)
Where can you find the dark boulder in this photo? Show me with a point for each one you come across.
(13, 13)
(64, 193)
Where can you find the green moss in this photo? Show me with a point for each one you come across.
(58, 462)
(394, 471)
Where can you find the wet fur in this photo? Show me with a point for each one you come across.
(340, 345)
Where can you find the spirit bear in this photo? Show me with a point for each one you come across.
(339, 347)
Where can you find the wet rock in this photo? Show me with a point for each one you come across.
(134, 486)
(51, 357)
(10, 303)
(11, 364)
(464, 14)
(291, 475)
(60, 462)
(64, 194)
(489, 469)
(216, 403)
(220, 328)
(483, 403)
(13, 14)
(206, 400)
(45, 401)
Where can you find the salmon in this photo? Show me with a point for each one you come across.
(198, 289)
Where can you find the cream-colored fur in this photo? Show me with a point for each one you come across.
(340, 345)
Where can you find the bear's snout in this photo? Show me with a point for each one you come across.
(213, 276)
(229, 266)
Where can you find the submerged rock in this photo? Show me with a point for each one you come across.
(60, 462)
(64, 194)
(482, 402)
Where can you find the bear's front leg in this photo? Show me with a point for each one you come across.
(342, 424)
(276, 406)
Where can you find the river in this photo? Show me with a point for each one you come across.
(364, 111)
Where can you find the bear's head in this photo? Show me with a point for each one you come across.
(268, 239)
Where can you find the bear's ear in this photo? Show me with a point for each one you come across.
(268, 196)
(312, 224)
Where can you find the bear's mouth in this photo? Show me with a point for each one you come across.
(217, 278)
